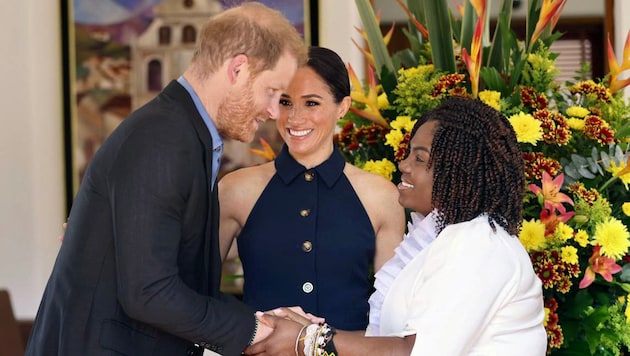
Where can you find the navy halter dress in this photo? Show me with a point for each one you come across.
(309, 242)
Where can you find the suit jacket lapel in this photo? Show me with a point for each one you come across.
(211, 256)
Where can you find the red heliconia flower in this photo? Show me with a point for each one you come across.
(370, 99)
(549, 14)
(267, 152)
(473, 60)
(605, 266)
(423, 30)
(616, 83)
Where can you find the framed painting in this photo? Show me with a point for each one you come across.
(118, 54)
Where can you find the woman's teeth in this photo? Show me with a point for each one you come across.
(299, 133)
(406, 185)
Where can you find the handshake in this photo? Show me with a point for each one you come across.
(289, 330)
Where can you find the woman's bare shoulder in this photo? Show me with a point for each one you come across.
(244, 181)
(364, 180)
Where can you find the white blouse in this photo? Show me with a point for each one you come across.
(470, 292)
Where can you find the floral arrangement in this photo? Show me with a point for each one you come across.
(575, 138)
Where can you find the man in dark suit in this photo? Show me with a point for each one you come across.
(139, 270)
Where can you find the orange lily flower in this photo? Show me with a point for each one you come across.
(551, 220)
(366, 50)
(370, 99)
(423, 30)
(550, 192)
(267, 152)
(473, 61)
(605, 266)
(615, 83)
(549, 13)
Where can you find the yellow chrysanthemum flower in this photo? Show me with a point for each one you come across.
(382, 101)
(491, 98)
(569, 254)
(628, 310)
(577, 111)
(615, 169)
(626, 208)
(383, 167)
(393, 138)
(527, 128)
(546, 319)
(581, 237)
(563, 232)
(575, 124)
(403, 123)
(532, 235)
(614, 238)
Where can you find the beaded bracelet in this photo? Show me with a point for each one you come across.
(324, 345)
(297, 340)
(318, 340)
(309, 339)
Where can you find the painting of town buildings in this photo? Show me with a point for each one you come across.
(123, 52)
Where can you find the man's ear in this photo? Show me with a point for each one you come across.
(236, 66)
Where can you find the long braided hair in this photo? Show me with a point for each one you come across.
(477, 164)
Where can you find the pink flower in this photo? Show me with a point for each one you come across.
(605, 266)
(550, 192)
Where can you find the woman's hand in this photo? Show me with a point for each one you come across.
(296, 314)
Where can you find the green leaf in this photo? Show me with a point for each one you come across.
(469, 20)
(389, 82)
(375, 40)
(440, 35)
(493, 80)
(533, 13)
(499, 56)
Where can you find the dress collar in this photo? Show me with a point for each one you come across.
(330, 170)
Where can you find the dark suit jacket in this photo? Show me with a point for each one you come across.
(139, 270)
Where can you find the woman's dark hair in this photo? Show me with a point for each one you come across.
(477, 164)
(328, 65)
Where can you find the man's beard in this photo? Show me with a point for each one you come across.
(236, 114)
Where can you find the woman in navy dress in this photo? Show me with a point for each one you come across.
(311, 228)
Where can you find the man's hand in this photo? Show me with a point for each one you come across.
(281, 342)
(297, 314)
(64, 225)
(264, 329)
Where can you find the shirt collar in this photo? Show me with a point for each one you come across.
(217, 142)
(330, 170)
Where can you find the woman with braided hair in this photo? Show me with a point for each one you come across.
(460, 283)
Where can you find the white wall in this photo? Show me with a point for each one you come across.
(337, 29)
(32, 205)
(31, 149)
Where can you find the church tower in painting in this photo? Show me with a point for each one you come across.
(165, 49)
